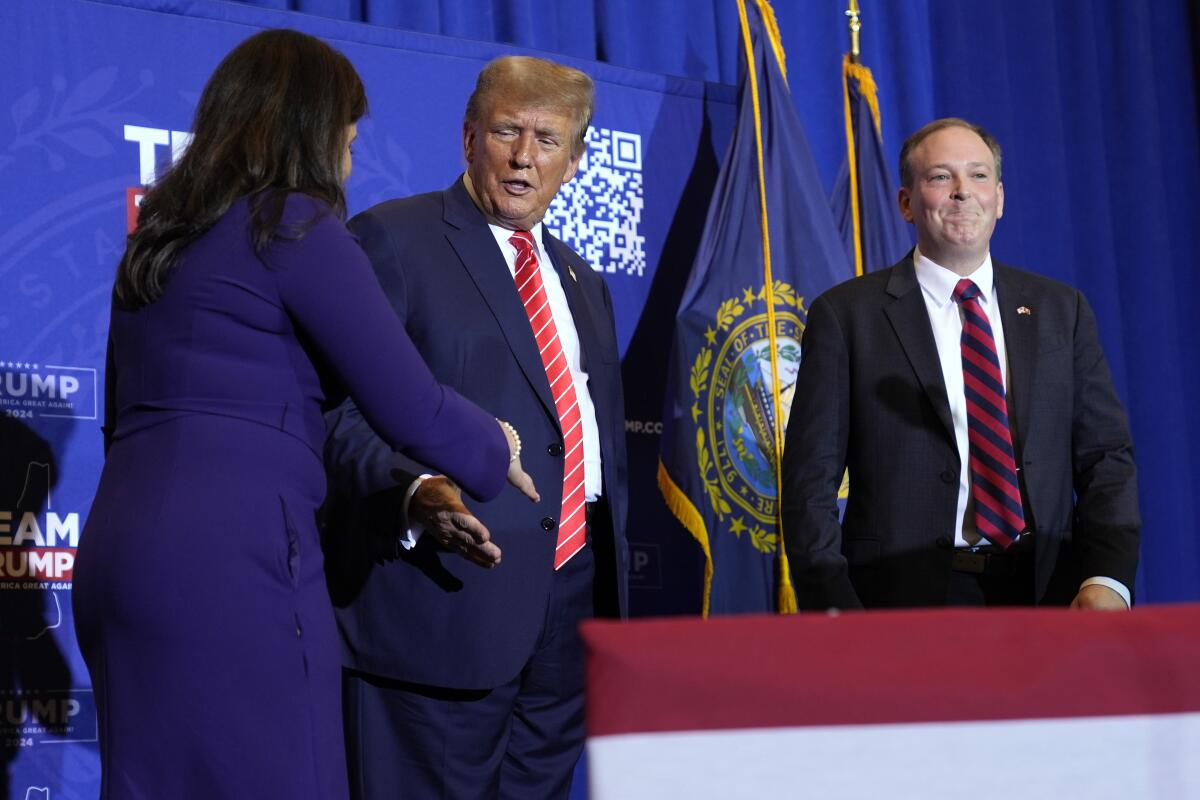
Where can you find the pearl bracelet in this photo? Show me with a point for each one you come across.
(516, 437)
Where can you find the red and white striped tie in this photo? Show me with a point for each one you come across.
(572, 522)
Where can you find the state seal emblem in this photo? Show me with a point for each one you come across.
(734, 409)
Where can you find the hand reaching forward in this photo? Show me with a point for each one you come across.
(437, 504)
(516, 474)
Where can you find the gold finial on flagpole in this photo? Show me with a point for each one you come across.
(855, 27)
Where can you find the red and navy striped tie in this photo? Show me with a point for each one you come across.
(572, 521)
(998, 513)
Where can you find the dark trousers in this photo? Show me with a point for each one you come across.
(519, 740)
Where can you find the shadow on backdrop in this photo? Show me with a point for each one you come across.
(34, 672)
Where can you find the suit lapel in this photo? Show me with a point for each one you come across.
(576, 300)
(910, 321)
(472, 240)
(1020, 346)
(587, 332)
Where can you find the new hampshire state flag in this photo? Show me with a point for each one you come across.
(864, 198)
(770, 245)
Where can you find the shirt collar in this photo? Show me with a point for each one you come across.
(504, 234)
(938, 282)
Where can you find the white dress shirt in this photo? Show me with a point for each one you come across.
(945, 317)
(946, 320)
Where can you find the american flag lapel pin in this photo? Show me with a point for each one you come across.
(1024, 311)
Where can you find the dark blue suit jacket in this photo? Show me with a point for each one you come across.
(870, 397)
(426, 615)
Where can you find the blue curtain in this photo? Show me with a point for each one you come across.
(675, 37)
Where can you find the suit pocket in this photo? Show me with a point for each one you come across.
(609, 353)
(487, 368)
(292, 543)
(602, 345)
(1048, 344)
(861, 552)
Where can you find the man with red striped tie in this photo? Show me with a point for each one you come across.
(462, 681)
(989, 457)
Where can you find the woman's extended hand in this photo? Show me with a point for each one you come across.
(517, 475)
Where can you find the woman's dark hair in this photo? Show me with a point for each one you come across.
(271, 120)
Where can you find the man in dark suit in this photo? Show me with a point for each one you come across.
(465, 682)
(989, 458)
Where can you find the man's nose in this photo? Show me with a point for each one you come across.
(960, 190)
(522, 152)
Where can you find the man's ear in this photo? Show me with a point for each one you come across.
(573, 166)
(904, 200)
(468, 142)
(999, 200)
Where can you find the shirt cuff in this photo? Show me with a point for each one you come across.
(1116, 586)
(414, 530)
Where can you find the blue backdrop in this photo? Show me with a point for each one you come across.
(1095, 104)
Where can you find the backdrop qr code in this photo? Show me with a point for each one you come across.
(598, 213)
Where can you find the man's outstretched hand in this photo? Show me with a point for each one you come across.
(437, 504)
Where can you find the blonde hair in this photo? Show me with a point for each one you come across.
(535, 82)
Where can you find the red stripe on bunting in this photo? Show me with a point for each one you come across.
(889, 667)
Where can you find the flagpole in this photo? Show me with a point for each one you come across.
(864, 187)
(855, 27)
(851, 64)
(786, 597)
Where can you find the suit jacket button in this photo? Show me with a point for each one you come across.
(555, 449)
(948, 476)
(548, 523)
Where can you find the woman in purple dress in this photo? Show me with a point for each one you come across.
(242, 307)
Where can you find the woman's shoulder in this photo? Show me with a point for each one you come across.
(309, 233)
(308, 219)
(300, 208)
(300, 211)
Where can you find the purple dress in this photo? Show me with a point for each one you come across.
(199, 595)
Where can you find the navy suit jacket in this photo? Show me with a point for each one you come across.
(870, 397)
(426, 615)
